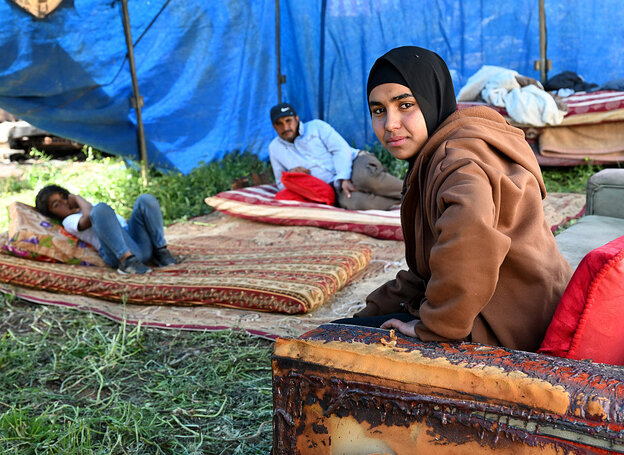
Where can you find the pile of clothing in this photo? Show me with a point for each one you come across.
(526, 101)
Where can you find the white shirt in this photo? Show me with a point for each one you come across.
(318, 148)
(70, 223)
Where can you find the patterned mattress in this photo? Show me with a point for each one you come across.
(273, 278)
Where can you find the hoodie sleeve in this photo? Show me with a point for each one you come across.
(395, 295)
(467, 254)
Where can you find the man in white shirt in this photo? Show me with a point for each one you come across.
(314, 147)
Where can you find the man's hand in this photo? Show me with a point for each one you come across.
(348, 187)
(406, 328)
(300, 169)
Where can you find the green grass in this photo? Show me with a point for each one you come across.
(569, 179)
(75, 383)
(110, 180)
(396, 167)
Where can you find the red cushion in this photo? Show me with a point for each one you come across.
(588, 321)
(287, 195)
(312, 189)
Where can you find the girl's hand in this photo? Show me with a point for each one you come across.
(406, 328)
(83, 206)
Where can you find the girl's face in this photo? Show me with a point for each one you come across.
(59, 206)
(397, 120)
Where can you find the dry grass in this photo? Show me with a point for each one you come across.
(75, 383)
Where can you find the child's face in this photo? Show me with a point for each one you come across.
(59, 206)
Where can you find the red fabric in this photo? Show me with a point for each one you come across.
(287, 195)
(588, 321)
(312, 189)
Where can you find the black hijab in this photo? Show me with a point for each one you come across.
(425, 74)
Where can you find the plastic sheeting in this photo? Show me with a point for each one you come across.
(207, 70)
(585, 37)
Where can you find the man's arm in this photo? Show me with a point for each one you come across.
(342, 156)
(276, 165)
(81, 204)
(300, 169)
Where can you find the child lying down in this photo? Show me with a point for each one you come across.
(125, 245)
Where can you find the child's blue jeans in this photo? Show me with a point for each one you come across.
(142, 236)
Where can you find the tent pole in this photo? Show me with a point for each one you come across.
(544, 63)
(137, 100)
(281, 79)
(321, 101)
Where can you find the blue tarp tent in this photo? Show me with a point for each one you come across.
(207, 70)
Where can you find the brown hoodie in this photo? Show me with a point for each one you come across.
(483, 263)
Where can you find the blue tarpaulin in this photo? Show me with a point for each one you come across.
(207, 70)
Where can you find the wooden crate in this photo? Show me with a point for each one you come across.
(351, 390)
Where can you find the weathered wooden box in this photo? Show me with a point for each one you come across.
(350, 390)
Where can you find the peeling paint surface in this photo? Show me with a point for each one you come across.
(324, 408)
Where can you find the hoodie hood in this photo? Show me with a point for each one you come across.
(485, 124)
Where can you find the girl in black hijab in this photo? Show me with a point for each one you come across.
(483, 264)
(425, 74)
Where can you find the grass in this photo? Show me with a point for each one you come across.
(398, 168)
(75, 383)
(569, 179)
(110, 180)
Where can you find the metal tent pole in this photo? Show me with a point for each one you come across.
(281, 79)
(137, 101)
(321, 76)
